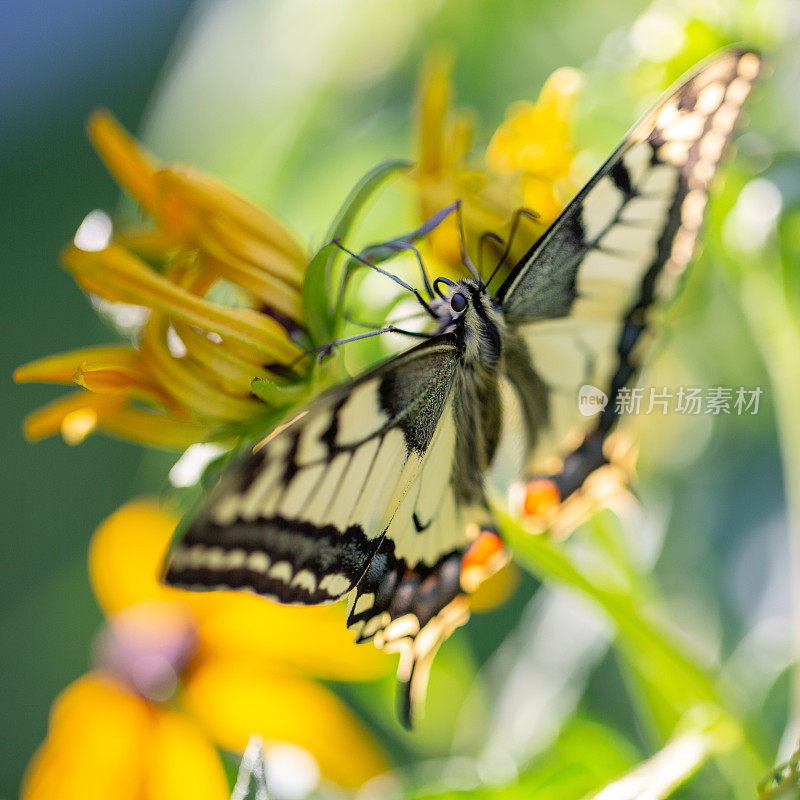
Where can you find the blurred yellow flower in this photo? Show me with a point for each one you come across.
(180, 674)
(535, 144)
(219, 281)
(527, 164)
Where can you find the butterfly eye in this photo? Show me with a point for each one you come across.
(458, 302)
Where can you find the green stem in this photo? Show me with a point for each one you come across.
(676, 762)
(775, 330)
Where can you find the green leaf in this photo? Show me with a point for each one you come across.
(585, 756)
(318, 295)
(672, 682)
(361, 192)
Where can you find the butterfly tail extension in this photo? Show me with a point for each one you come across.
(412, 611)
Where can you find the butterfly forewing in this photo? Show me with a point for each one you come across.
(299, 519)
(579, 298)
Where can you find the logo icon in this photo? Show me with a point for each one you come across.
(591, 400)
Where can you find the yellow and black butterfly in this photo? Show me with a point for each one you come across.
(377, 489)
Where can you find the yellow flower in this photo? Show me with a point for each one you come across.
(535, 144)
(220, 283)
(528, 163)
(180, 674)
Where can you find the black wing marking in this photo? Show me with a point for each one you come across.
(299, 519)
(579, 298)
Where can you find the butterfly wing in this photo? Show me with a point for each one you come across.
(300, 518)
(579, 299)
(357, 493)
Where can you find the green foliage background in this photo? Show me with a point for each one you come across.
(672, 622)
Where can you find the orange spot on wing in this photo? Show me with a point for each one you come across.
(541, 496)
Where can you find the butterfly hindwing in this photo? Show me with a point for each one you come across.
(410, 598)
(299, 519)
(579, 298)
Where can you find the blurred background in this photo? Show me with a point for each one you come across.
(290, 102)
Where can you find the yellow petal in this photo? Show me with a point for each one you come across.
(163, 190)
(540, 195)
(113, 369)
(119, 381)
(434, 105)
(324, 648)
(269, 290)
(95, 747)
(118, 275)
(259, 252)
(535, 139)
(560, 91)
(462, 136)
(181, 763)
(234, 374)
(154, 430)
(75, 416)
(187, 383)
(132, 167)
(148, 242)
(234, 700)
(61, 367)
(125, 558)
(202, 193)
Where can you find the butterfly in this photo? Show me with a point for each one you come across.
(377, 489)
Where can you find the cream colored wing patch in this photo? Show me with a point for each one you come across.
(299, 518)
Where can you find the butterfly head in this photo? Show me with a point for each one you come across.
(467, 309)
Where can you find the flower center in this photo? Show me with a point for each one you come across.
(147, 647)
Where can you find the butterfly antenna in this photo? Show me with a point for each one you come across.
(407, 240)
(395, 278)
(518, 214)
(488, 236)
(373, 325)
(464, 255)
